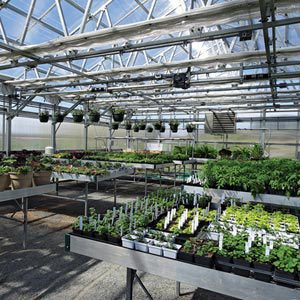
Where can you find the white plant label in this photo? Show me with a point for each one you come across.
(264, 239)
(234, 230)
(221, 236)
(271, 245)
(246, 248)
(267, 253)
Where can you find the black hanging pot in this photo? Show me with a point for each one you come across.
(157, 126)
(118, 116)
(94, 117)
(59, 118)
(162, 128)
(77, 118)
(44, 117)
(149, 129)
(142, 126)
(174, 127)
(136, 128)
(128, 126)
(115, 126)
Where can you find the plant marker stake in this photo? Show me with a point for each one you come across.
(95, 224)
(264, 238)
(234, 230)
(121, 212)
(121, 232)
(246, 248)
(221, 236)
(267, 253)
(98, 217)
(166, 223)
(195, 200)
(126, 208)
(80, 222)
(271, 245)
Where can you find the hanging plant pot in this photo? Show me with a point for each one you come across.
(128, 126)
(157, 125)
(118, 114)
(44, 117)
(58, 118)
(162, 128)
(77, 115)
(142, 126)
(149, 129)
(94, 116)
(136, 128)
(115, 126)
(174, 125)
(174, 128)
(190, 128)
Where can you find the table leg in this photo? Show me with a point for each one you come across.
(115, 192)
(160, 178)
(25, 220)
(56, 183)
(129, 283)
(177, 289)
(86, 190)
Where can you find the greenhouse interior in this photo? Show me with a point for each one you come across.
(150, 149)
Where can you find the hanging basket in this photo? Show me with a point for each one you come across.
(174, 127)
(128, 126)
(58, 118)
(157, 125)
(44, 117)
(94, 116)
(136, 128)
(190, 128)
(149, 129)
(77, 118)
(142, 126)
(162, 128)
(118, 114)
(115, 126)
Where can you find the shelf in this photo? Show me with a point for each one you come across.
(209, 279)
(27, 192)
(245, 196)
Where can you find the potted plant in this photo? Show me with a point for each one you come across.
(101, 232)
(157, 125)
(190, 127)
(149, 128)
(21, 177)
(113, 236)
(162, 128)
(174, 125)
(155, 247)
(77, 115)
(186, 253)
(140, 243)
(285, 262)
(142, 125)
(4, 177)
(136, 128)
(225, 153)
(128, 241)
(170, 250)
(44, 116)
(94, 115)
(128, 125)
(42, 172)
(118, 114)
(58, 117)
(205, 252)
(115, 126)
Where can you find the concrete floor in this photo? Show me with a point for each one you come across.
(45, 271)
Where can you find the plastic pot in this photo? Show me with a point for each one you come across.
(44, 118)
(21, 181)
(174, 128)
(140, 246)
(142, 126)
(94, 118)
(162, 129)
(115, 126)
(157, 126)
(77, 118)
(114, 240)
(156, 250)
(149, 129)
(128, 126)
(188, 257)
(118, 117)
(58, 118)
(204, 261)
(42, 177)
(262, 267)
(4, 182)
(220, 260)
(239, 271)
(189, 130)
(100, 237)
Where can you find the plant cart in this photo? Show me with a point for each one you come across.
(209, 279)
(24, 195)
(113, 175)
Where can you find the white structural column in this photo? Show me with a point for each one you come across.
(297, 151)
(86, 128)
(53, 131)
(263, 129)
